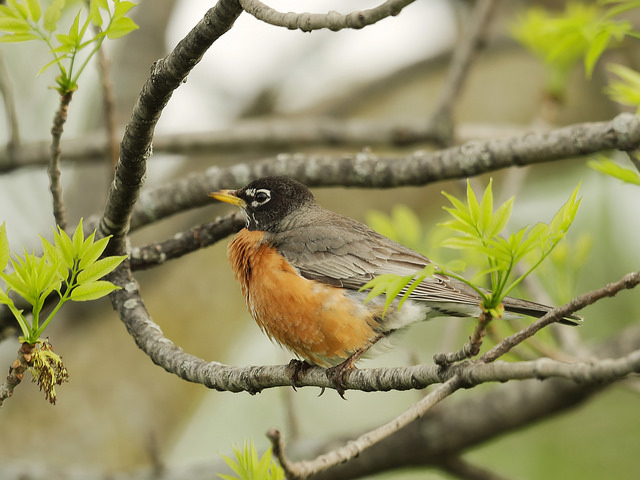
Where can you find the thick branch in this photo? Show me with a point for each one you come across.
(166, 75)
(331, 20)
(419, 168)
(262, 136)
(163, 352)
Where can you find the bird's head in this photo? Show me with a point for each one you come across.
(268, 201)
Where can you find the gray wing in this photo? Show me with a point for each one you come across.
(342, 252)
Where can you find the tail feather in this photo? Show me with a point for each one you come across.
(537, 310)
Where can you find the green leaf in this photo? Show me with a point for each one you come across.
(7, 12)
(52, 14)
(626, 90)
(500, 218)
(408, 225)
(609, 167)
(486, 209)
(63, 244)
(20, 9)
(121, 27)
(472, 204)
(91, 252)
(18, 37)
(458, 224)
(598, 45)
(427, 271)
(92, 291)
(14, 25)
(99, 269)
(78, 240)
(122, 8)
(382, 224)
(4, 247)
(565, 216)
(74, 31)
(34, 10)
(94, 13)
(625, 6)
(462, 243)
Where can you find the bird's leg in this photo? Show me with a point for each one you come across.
(337, 374)
(296, 367)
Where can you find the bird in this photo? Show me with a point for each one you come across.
(301, 269)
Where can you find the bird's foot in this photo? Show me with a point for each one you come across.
(338, 374)
(295, 368)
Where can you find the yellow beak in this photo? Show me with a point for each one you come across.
(228, 196)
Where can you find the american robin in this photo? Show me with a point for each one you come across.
(301, 266)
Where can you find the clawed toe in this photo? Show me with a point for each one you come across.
(338, 376)
(297, 367)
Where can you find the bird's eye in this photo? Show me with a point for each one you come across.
(262, 196)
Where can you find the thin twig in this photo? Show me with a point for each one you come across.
(331, 20)
(53, 170)
(471, 348)
(16, 371)
(629, 281)
(6, 89)
(109, 107)
(302, 470)
(475, 39)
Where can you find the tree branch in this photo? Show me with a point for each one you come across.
(302, 470)
(629, 281)
(166, 75)
(369, 170)
(148, 336)
(262, 136)
(331, 20)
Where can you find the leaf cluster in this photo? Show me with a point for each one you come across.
(583, 32)
(24, 20)
(478, 228)
(70, 266)
(248, 466)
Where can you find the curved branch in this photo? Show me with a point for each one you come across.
(148, 336)
(369, 170)
(332, 20)
(167, 75)
(302, 470)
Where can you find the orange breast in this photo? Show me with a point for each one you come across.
(316, 321)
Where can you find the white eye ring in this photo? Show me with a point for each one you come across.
(261, 197)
